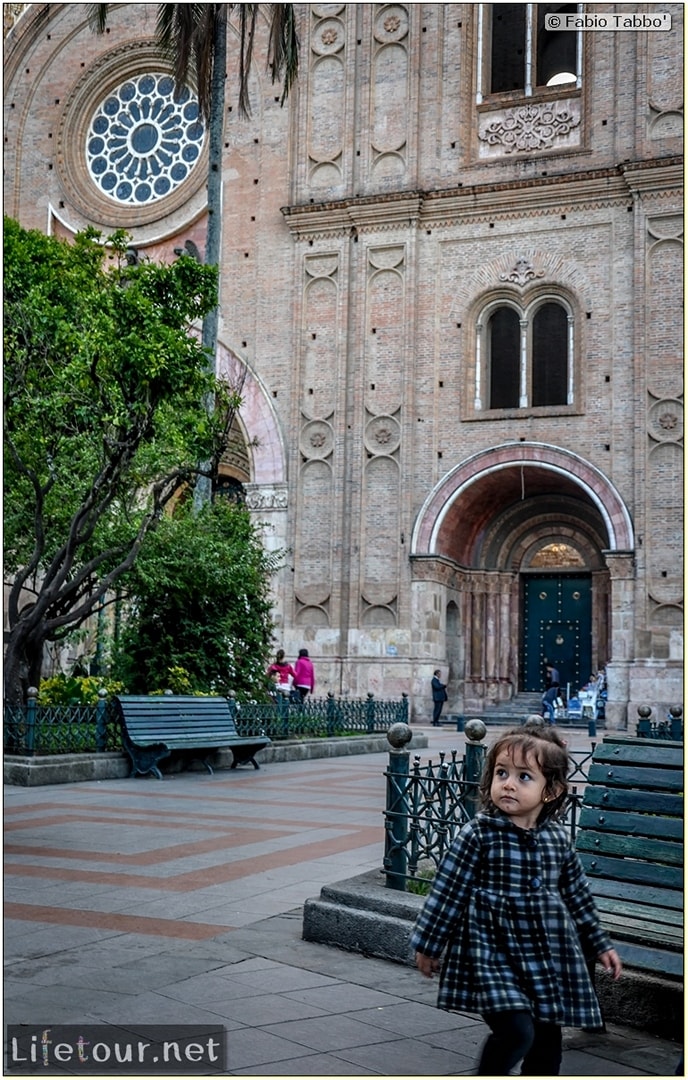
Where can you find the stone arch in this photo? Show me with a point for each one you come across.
(266, 448)
(467, 494)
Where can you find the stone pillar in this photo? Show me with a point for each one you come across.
(621, 565)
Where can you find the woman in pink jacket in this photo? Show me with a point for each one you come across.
(304, 678)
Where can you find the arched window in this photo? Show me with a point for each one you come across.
(549, 355)
(524, 355)
(504, 358)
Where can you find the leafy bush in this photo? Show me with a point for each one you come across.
(76, 689)
(200, 611)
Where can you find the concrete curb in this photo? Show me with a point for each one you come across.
(22, 771)
(361, 915)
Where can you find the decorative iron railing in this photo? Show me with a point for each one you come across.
(427, 804)
(319, 717)
(60, 729)
(80, 729)
(670, 728)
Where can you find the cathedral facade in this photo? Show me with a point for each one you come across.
(451, 293)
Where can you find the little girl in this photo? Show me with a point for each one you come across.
(512, 907)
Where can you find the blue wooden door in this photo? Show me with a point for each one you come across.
(557, 629)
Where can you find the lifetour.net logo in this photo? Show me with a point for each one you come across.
(109, 1050)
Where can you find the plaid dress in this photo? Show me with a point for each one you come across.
(514, 911)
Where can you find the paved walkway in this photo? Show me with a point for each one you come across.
(139, 902)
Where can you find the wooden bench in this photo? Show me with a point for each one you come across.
(153, 727)
(630, 841)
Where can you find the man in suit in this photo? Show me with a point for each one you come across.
(439, 696)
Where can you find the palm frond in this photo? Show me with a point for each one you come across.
(283, 47)
(97, 17)
(248, 13)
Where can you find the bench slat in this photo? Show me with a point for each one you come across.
(651, 802)
(658, 961)
(614, 775)
(641, 924)
(633, 870)
(630, 824)
(664, 852)
(665, 901)
(645, 754)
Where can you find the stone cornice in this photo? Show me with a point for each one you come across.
(338, 218)
(520, 198)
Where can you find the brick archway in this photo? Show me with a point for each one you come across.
(266, 448)
(461, 506)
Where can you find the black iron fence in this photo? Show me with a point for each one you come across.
(80, 729)
(428, 803)
(319, 717)
(61, 729)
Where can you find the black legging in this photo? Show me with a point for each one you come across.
(516, 1035)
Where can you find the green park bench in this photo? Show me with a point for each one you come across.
(630, 841)
(153, 727)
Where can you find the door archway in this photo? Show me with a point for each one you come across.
(504, 518)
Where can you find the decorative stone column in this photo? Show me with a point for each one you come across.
(268, 506)
(621, 565)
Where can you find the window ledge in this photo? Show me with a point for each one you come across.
(562, 92)
(521, 413)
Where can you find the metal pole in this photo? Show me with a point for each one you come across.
(32, 695)
(101, 726)
(473, 764)
(396, 810)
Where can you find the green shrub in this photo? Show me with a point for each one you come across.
(75, 689)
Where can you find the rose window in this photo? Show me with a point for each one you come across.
(144, 140)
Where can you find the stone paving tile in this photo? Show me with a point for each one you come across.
(409, 1057)
(410, 1019)
(345, 998)
(577, 1063)
(330, 1032)
(278, 978)
(256, 1046)
(314, 1065)
(261, 1010)
(154, 1007)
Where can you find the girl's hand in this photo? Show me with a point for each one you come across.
(427, 965)
(611, 962)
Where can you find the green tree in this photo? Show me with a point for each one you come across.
(199, 605)
(194, 38)
(103, 423)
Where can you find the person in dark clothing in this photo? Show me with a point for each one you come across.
(439, 696)
(549, 701)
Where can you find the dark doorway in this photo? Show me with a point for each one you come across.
(557, 629)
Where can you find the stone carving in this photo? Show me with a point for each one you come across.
(328, 38)
(665, 420)
(266, 496)
(391, 24)
(528, 128)
(522, 272)
(316, 440)
(382, 435)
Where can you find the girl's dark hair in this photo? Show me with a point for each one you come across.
(303, 652)
(549, 751)
(279, 659)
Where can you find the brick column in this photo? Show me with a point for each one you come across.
(621, 565)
